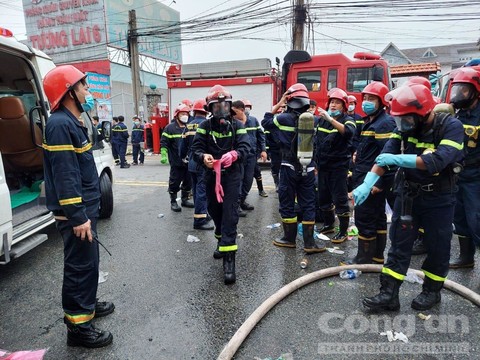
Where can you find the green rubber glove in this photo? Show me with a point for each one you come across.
(164, 158)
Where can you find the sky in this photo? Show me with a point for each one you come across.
(344, 26)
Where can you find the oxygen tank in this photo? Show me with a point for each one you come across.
(306, 131)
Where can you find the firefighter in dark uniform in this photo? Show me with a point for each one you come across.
(221, 143)
(137, 139)
(296, 180)
(352, 104)
(73, 195)
(273, 152)
(201, 219)
(121, 136)
(425, 184)
(370, 217)
(334, 133)
(170, 153)
(113, 142)
(464, 96)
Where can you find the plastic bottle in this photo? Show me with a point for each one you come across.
(300, 229)
(273, 226)
(350, 274)
(304, 263)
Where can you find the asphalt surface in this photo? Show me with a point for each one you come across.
(171, 302)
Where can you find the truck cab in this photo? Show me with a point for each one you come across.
(24, 113)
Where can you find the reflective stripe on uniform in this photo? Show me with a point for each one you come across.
(75, 200)
(393, 274)
(433, 276)
(290, 220)
(171, 136)
(80, 319)
(228, 248)
(67, 148)
(283, 127)
(452, 144)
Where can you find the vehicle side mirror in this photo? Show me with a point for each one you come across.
(106, 130)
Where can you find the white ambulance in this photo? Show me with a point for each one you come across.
(24, 112)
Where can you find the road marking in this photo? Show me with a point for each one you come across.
(141, 183)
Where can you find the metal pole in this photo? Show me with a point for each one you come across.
(134, 61)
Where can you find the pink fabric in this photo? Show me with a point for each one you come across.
(217, 167)
(229, 158)
(23, 355)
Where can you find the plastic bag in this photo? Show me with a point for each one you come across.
(23, 355)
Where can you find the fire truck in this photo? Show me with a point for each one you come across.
(320, 73)
(254, 80)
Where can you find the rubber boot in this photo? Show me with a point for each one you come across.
(429, 296)
(103, 308)
(380, 245)
(275, 181)
(309, 245)
(289, 236)
(86, 335)
(173, 203)
(419, 247)
(365, 251)
(261, 191)
(387, 298)
(328, 222)
(229, 267)
(342, 235)
(185, 201)
(467, 252)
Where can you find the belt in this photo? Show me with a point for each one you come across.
(438, 187)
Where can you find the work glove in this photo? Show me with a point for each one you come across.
(217, 167)
(360, 194)
(405, 161)
(164, 158)
(228, 158)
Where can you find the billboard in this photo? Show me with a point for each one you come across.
(151, 15)
(99, 87)
(67, 30)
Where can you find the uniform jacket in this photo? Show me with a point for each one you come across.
(187, 141)
(71, 178)
(137, 134)
(256, 136)
(120, 133)
(171, 137)
(471, 121)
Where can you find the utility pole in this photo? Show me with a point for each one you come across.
(134, 60)
(299, 18)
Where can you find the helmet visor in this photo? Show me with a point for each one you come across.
(462, 95)
(406, 123)
(220, 109)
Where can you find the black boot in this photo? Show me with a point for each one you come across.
(245, 206)
(103, 308)
(365, 251)
(341, 235)
(387, 299)
(467, 252)
(328, 222)
(419, 247)
(289, 236)
(185, 202)
(429, 296)
(381, 242)
(241, 213)
(87, 335)
(309, 245)
(173, 203)
(229, 268)
(261, 191)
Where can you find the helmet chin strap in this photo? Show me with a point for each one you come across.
(77, 102)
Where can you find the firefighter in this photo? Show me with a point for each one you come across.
(201, 219)
(73, 195)
(261, 150)
(370, 217)
(120, 139)
(297, 176)
(222, 143)
(137, 139)
(464, 96)
(113, 141)
(334, 133)
(352, 104)
(425, 146)
(179, 177)
(257, 142)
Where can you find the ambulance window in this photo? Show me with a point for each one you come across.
(310, 79)
(332, 79)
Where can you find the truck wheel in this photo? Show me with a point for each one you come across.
(106, 198)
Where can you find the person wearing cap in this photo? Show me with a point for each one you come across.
(73, 195)
(137, 139)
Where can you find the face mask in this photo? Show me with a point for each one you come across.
(462, 96)
(334, 113)
(184, 119)
(351, 108)
(137, 123)
(89, 103)
(368, 107)
(407, 123)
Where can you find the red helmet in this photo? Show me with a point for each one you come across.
(468, 75)
(339, 94)
(420, 80)
(411, 99)
(59, 81)
(352, 98)
(377, 88)
(217, 94)
(247, 102)
(465, 88)
(187, 102)
(199, 106)
(181, 108)
(297, 97)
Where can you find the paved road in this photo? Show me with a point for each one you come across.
(171, 302)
